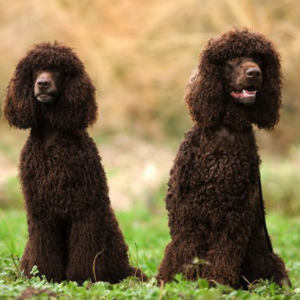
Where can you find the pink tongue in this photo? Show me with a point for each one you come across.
(243, 94)
(236, 95)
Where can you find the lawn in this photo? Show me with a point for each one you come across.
(147, 235)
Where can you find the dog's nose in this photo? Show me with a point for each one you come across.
(43, 83)
(253, 72)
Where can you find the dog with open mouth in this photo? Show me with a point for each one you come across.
(244, 79)
(214, 199)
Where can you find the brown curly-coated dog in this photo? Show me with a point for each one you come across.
(70, 219)
(214, 198)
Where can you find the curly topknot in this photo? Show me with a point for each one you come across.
(206, 98)
(76, 107)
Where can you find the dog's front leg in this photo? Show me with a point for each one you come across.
(97, 250)
(231, 208)
(44, 249)
(231, 232)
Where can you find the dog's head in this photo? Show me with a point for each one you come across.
(243, 79)
(50, 83)
(237, 82)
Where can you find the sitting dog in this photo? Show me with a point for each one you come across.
(214, 199)
(73, 232)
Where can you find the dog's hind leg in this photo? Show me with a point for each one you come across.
(179, 258)
(97, 250)
(261, 263)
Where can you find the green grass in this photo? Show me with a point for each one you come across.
(148, 232)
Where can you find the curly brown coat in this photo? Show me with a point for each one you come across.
(70, 219)
(214, 204)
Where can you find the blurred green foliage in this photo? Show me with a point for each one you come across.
(281, 186)
(11, 196)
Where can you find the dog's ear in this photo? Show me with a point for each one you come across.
(18, 106)
(265, 112)
(204, 96)
(76, 107)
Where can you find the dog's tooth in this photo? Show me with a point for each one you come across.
(249, 93)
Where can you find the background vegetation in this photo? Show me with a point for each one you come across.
(140, 55)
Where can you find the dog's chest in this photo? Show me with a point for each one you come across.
(55, 178)
(223, 134)
(225, 139)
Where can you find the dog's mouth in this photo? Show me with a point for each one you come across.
(45, 97)
(245, 96)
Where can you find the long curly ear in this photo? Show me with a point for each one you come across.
(76, 108)
(18, 106)
(204, 97)
(265, 112)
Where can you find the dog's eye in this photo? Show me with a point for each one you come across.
(232, 59)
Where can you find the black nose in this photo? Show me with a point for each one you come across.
(253, 72)
(43, 83)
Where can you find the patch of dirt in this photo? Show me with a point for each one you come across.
(8, 169)
(31, 292)
(136, 170)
